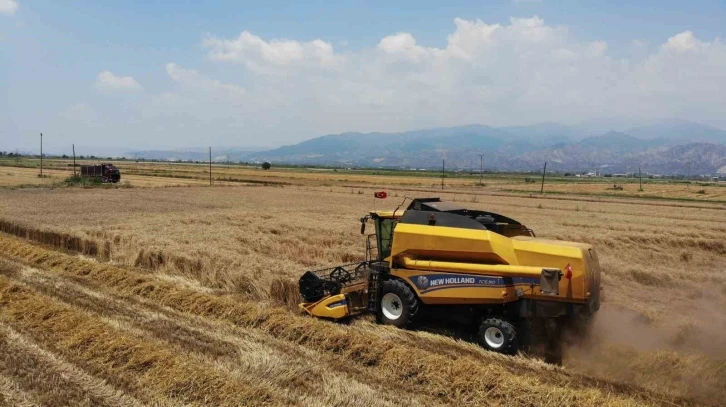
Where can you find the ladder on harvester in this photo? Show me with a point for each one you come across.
(373, 286)
(374, 272)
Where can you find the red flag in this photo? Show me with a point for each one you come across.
(380, 195)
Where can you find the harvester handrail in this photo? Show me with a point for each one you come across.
(503, 270)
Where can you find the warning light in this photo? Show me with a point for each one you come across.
(380, 195)
(568, 271)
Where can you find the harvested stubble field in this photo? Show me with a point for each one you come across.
(182, 296)
(19, 177)
(14, 172)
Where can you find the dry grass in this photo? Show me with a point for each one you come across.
(658, 189)
(54, 177)
(438, 369)
(221, 258)
(23, 173)
(140, 366)
(51, 380)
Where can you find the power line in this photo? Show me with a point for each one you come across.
(481, 168)
(443, 166)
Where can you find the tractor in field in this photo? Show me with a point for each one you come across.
(437, 261)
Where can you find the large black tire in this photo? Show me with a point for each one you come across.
(398, 304)
(498, 336)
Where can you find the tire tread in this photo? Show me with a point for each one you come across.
(512, 345)
(406, 294)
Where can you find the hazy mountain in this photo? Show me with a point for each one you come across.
(595, 126)
(411, 148)
(194, 154)
(617, 142)
(589, 153)
(668, 147)
(543, 133)
(679, 131)
(690, 159)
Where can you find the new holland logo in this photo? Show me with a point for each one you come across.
(440, 281)
(453, 281)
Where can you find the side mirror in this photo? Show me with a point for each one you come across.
(363, 226)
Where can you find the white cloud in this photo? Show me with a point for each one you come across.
(685, 77)
(523, 71)
(398, 42)
(192, 79)
(265, 91)
(259, 54)
(107, 81)
(470, 36)
(8, 7)
(597, 48)
(682, 42)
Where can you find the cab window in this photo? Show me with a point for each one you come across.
(384, 230)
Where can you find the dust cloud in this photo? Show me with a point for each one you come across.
(683, 356)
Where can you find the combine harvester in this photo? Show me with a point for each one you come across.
(436, 260)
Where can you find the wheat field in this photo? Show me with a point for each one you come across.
(185, 296)
(24, 171)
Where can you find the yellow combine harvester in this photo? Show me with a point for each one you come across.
(436, 260)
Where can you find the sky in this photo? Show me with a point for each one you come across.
(138, 74)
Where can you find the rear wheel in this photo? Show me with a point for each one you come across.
(498, 336)
(398, 304)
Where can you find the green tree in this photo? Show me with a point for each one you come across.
(266, 165)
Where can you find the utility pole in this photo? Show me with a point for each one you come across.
(640, 175)
(210, 165)
(41, 155)
(443, 166)
(74, 160)
(481, 168)
(544, 171)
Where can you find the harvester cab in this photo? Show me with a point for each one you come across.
(480, 269)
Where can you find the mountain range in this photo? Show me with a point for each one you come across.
(665, 147)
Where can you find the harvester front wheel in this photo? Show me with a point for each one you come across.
(498, 336)
(398, 304)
